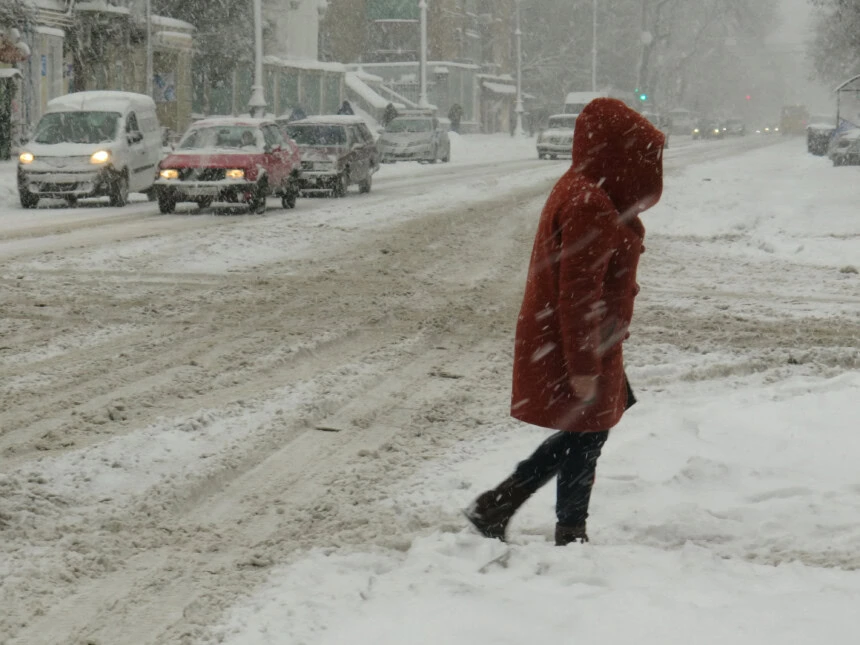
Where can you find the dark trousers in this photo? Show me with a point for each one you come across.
(571, 457)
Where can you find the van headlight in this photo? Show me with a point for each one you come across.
(26, 158)
(696, 131)
(235, 173)
(169, 173)
(100, 157)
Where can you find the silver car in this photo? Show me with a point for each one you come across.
(557, 139)
(844, 148)
(414, 138)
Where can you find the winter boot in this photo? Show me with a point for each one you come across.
(492, 510)
(564, 535)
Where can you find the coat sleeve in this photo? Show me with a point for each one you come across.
(586, 246)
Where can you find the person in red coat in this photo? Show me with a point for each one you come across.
(568, 371)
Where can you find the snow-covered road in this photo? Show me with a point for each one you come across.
(165, 378)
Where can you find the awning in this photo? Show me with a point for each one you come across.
(500, 88)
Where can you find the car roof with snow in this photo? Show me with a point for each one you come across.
(99, 101)
(328, 119)
(564, 117)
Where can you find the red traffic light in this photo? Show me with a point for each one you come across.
(749, 97)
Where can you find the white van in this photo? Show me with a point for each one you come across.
(91, 144)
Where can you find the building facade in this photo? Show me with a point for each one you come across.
(470, 46)
(293, 28)
(109, 52)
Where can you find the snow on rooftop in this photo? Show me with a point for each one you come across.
(311, 65)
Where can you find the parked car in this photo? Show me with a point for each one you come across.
(818, 134)
(414, 138)
(735, 127)
(557, 139)
(337, 151)
(708, 129)
(844, 148)
(91, 144)
(230, 159)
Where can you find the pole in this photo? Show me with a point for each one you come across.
(422, 64)
(594, 46)
(150, 71)
(257, 104)
(518, 131)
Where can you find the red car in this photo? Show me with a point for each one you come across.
(233, 160)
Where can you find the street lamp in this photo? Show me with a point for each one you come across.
(150, 71)
(257, 104)
(594, 46)
(518, 131)
(422, 64)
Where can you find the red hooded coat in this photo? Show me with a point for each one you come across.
(579, 295)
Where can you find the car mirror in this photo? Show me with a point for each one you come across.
(135, 137)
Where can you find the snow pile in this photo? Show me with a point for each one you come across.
(717, 517)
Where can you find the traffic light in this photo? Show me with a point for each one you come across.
(749, 98)
(643, 96)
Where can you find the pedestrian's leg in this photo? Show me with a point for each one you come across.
(544, 463)
(491, 512)
(575, 481)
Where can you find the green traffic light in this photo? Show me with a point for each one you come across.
(643, 97)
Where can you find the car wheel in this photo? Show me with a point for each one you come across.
(365, 185)
(204, 202)
(553, 157)
(257, 203)
(447, 156)
(435, 155)
(341, 185)
(166, 202)
(288, 199)
(28, 199)
(118, 191)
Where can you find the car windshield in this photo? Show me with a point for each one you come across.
(240, 137)
(410, 125)
(562, 122)
(574, 108)
(77, 127)
(317, 134)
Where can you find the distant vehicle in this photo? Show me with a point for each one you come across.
(557, 139)
(575, 102)
(735, 127)
(818, 134)
(793, 119)
(337, 151)
(414, 138)
(660, 122)
(707, 129)
(90, 144)
(844, 148)
(681, 121)
(768, 129)
(230, 159)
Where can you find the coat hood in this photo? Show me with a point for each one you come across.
(622, 152)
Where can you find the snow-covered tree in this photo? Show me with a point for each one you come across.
(836, 50)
